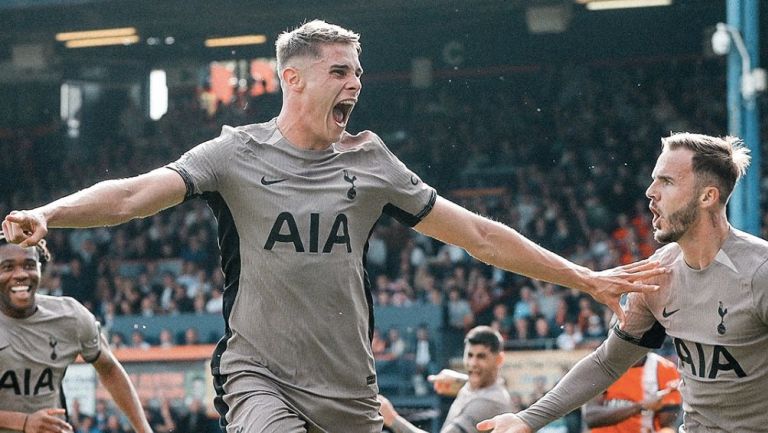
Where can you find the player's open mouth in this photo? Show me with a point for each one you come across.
(342, 110)
(656, 217)
(19, 289)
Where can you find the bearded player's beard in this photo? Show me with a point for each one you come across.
(679, 222)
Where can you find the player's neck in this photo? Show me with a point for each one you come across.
(703, 240)
(298, 133)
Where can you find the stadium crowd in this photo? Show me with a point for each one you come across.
(562, 154)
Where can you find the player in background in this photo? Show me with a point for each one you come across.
(40, 336)
(483, 394)
(643, 400)
(713, 303)
(296, 199)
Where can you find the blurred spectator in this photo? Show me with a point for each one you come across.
(191, 336)
(194, 419)
(524, 310)
(114, 425)
(215, 304)
(166, 339)
(138, 341)
(116, 341)
(505, 323)
(569, 338)
(424, 359)
(395, 344)
(85, 425)
(460, 315)
(101, 415)
(541, 328)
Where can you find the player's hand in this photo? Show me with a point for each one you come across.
(504, 423)
(448, 382)
(47, 421)
(610, 284)
(387, 410)
(25, 228)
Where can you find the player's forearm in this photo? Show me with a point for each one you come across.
(505, 248)
(601, 416)
(12, 420)
(115, 201)
(587, 378)
(501, 246)
(116, 381)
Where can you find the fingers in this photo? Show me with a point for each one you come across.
(639, 266)
(54, 412)
(639, 287)
(644, 275)
(616, 308)
(58, 426)
(47, 420)
(32, 239)
(23, 228)
(8, 231)
(432, 378)
(486, 424)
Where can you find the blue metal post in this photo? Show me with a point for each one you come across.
(751, 121)
(736, 206)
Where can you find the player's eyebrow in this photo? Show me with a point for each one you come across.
(358, 71)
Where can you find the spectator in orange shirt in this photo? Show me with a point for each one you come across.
(643, 400)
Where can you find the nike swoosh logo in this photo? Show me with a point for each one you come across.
(265, 181)
(666, 313)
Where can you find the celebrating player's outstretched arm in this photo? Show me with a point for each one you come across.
(503, 247)
(106, 203)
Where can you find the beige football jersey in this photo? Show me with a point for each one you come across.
(718, 320)
(473, 406)
(293, 229)
(36, 351)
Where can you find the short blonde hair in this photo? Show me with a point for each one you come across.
(306, 40)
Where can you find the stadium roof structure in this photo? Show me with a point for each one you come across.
(487, 31)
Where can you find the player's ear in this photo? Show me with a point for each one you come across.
(710, 195)
(500, 358)
(292, 78)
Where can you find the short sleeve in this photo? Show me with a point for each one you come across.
(640, 327)
(88, 332)
(475, 411)
(760, 291)
(409, 199)
(202, 166)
